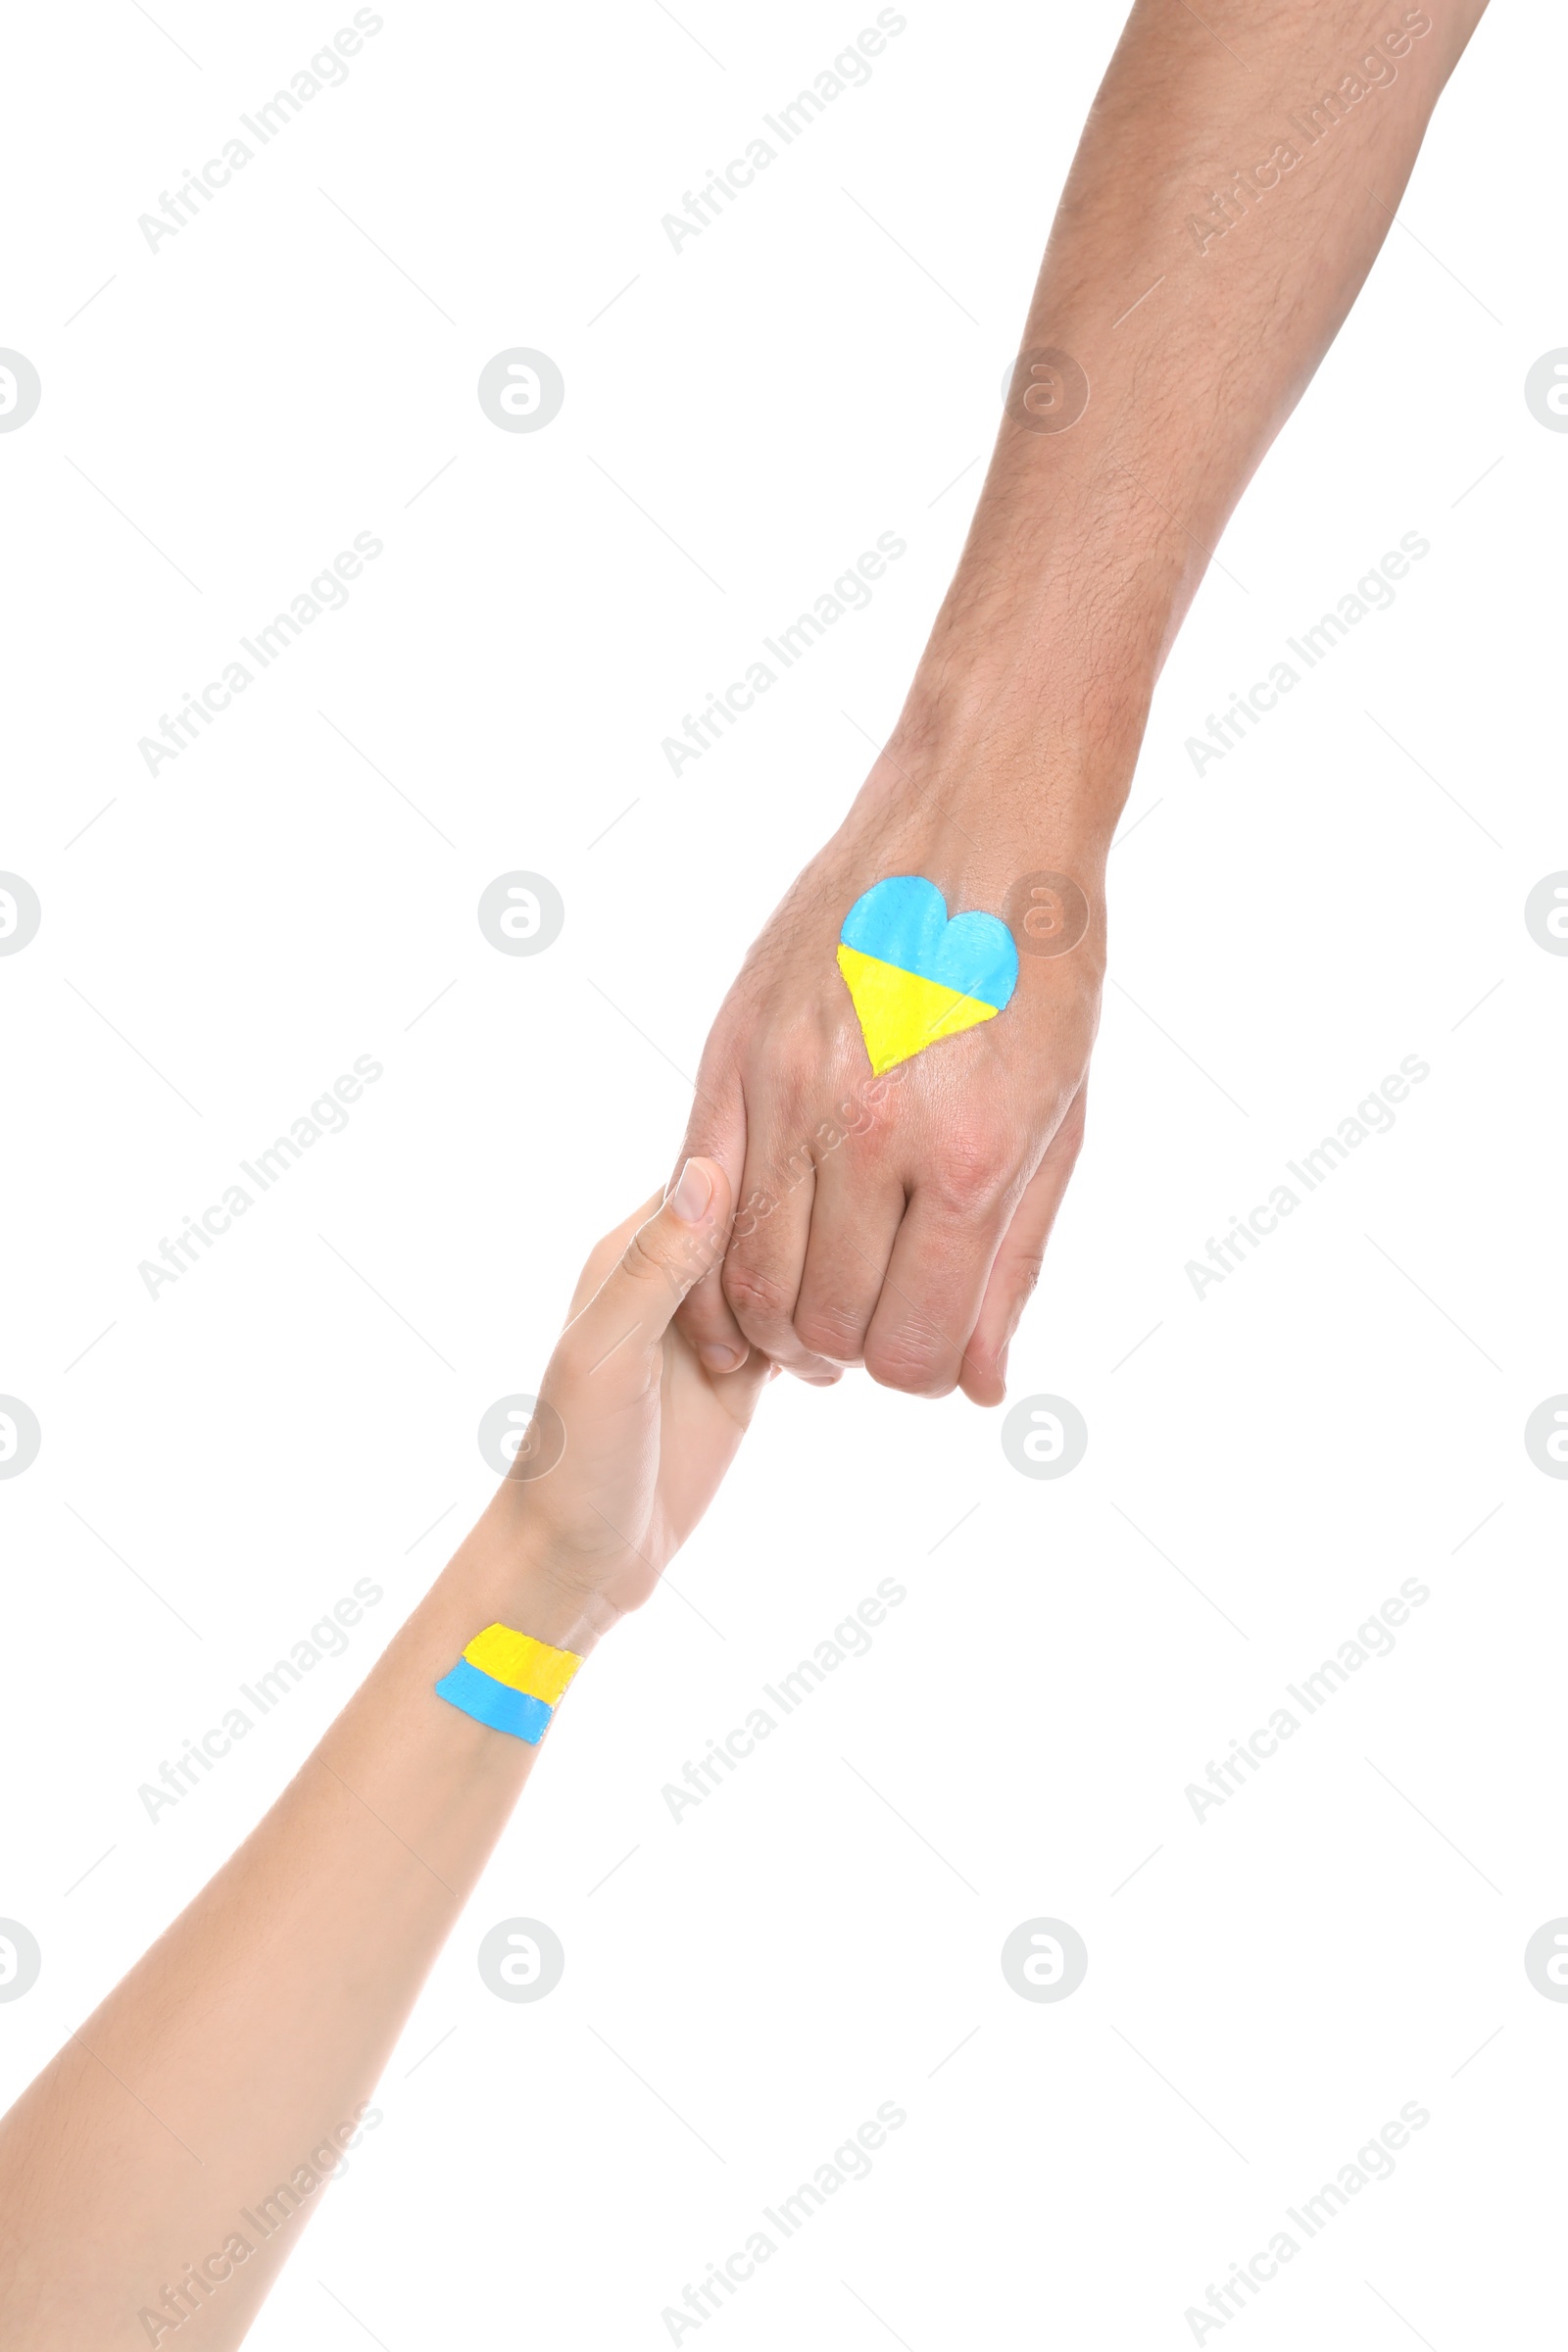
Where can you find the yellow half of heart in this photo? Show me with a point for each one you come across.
(899, 1014)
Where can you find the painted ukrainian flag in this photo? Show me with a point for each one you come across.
(510, 1681)
(916, 976)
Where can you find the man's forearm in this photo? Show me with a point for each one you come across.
(1233, 185)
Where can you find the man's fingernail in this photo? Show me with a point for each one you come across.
(692, 1193)
(718, 1357)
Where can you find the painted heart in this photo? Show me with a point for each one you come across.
(916, 974)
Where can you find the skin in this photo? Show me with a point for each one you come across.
(261, 2019)
(899, 1226)
(912, 1244)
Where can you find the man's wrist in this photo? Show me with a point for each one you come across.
(1030, 674)
(1044, 657)
(1021, 769)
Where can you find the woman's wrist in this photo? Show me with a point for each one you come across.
(510, 1572)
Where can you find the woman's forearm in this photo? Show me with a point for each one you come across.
(257, 2026)
(167, 2160)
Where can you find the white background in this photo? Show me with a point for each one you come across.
(1346, 1933)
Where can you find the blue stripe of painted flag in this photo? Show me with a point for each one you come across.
(504, 1709)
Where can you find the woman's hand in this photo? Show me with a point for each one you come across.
(632, 1436)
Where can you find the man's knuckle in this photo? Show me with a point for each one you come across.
(908, 1362)
(1026, 1272)
(970, 1177)
(757, 1292)
(1068, 1132)
(833, 1332)
(801, 1037)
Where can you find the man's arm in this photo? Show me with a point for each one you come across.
(1235, 180)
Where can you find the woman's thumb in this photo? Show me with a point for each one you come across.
(683, 1237)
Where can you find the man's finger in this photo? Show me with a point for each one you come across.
(932, 1290)
(767, 1252)
(856, 1216)
(1016, 1269)
(716, 1131)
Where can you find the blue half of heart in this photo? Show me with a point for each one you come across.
(903, 921)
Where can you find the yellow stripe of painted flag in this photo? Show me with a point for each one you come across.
(901, 1012)
(522, 1663)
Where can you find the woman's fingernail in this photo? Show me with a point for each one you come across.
(692, 1193)
(718, 1357)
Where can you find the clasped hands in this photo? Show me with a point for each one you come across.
(897, 1219)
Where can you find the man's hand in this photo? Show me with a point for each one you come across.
(899, 1220)
(1237, 176)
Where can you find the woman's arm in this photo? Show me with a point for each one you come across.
(243, 2045)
